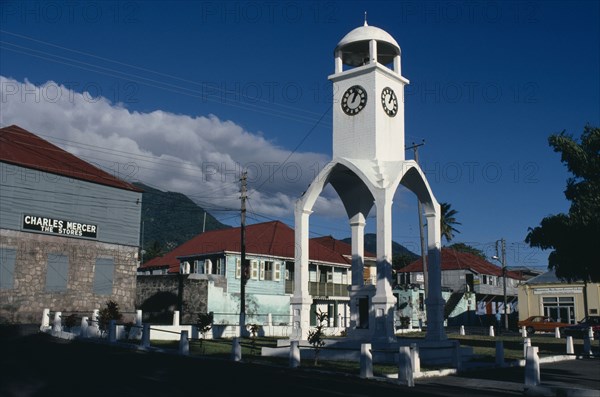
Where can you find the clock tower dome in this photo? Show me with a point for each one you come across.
(368, 96)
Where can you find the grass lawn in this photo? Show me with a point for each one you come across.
(484, 349)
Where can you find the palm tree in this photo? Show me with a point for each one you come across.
(448, 221)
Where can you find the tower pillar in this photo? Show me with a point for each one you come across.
(435, 303)
(384, 300)
(301, 300)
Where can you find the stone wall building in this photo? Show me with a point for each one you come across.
(69, 232)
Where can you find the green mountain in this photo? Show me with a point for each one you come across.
(397, 249)
(170, 219)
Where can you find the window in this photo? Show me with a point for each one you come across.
(7, 267)
(219, 268)
(254, 270)
(57, 273)
(271, 271)
(261, 275)
(199, 267)
(238, 268)
(561, 309)
(104, 276)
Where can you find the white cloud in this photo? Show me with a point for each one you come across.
(199, 156)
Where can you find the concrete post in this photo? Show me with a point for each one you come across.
(83, 329)
(112, 331)
(532, 367)
(591, 333)
(56, 323)
(526, 344)
(405, 370)
(570, 348)
(499, 353)
(236, 349)
(294, 354)
(415, 357)
(557, 333)
(45, 319)
(524, 332)
(176, 318)
(184, 343)
(492, 331)
(366, 361)
(456, 359)
(462, 330)
(146, 336)
(587, 346)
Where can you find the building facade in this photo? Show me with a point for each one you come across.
(547, 295)
(213, 260)
(473, 289)
(69, 232)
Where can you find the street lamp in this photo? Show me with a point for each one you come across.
(502, 260)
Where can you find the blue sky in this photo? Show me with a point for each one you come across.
(181, 95)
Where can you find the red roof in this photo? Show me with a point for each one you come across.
(456, 260)
(22, 148)
(339, 246)
(269, 238)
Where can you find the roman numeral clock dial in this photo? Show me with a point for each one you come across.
(354, 100)
(389, 101)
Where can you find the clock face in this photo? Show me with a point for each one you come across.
(389, 101)
(354, 100)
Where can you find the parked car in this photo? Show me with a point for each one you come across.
(535, 324)
(580, 330)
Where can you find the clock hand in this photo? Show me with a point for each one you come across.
(354, 97)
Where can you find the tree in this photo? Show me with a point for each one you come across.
(110, 312)
(574, 236)
(462, 247)
(315, 336)
(448, 221)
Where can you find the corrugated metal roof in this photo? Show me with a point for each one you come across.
(23, 148)
(456, 260)
(270, 239)
(339, 246)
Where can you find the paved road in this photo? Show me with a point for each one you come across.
(37, 365)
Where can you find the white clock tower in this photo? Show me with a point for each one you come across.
(367, 167)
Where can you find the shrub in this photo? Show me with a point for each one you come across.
(110, 312)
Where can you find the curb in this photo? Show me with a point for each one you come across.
(548, 391)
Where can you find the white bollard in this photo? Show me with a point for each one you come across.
(112, 331)
(184, 344)
(294, 354)
(462, 330)
(410, 326)
(176, 318)
(236, 349)
(56, 323)
(570, 348)
(366, 361)
(415, 357)
(405, 370)
(83, 332)
(557, 333)
(591, 333)
(500, 353)
(492, 330)
(146, 336)
(524, 332)
(456, 359)
(45, 319)
(526, 344)
(532, 367)
(587, 346)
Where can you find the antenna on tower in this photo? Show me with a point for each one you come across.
(366, 19)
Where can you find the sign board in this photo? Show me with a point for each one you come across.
(419, 278)
(558, 290)
(59, 226)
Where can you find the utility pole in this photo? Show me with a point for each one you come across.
(243, 266)
(204, 222)
(503, 262)
(415, 148)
